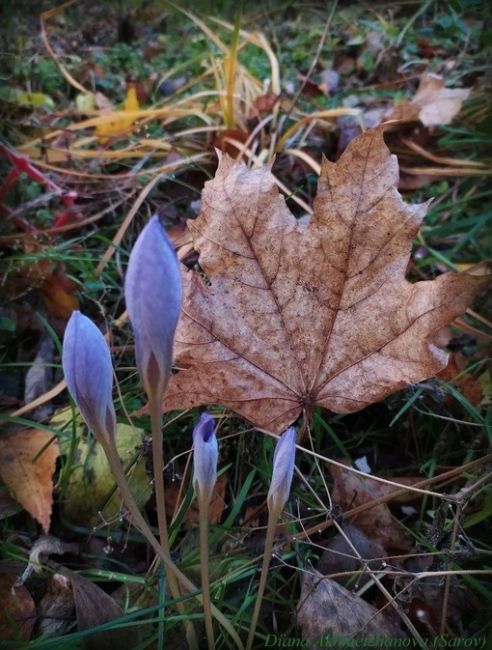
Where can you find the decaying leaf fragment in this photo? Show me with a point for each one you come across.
(294, 316)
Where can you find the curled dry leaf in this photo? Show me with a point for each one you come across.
(326, 609)
(291, 316)
(27, 468)
(433, 104)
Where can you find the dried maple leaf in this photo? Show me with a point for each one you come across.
(294, 316)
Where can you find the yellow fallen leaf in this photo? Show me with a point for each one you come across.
(122, 122)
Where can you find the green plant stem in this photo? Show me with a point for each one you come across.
(160, 497)
(267, 554)
(204, 506)
(114, 461)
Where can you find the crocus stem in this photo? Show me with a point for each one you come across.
(204, 506)
(138, 520)
(267, 554)
(160, 497)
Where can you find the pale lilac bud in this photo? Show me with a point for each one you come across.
(283, 470)
(204, 456)
(153, 299)
(88, 372)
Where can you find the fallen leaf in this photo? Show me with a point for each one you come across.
(290, 317)
(27, 468)
(339, 555)
(91, 490)
(93, 607)
(433, 103)
(122, 122)
(351, 490)
(327, 609)
(17, 610)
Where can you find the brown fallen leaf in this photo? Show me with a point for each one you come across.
(433, 103)
(327, 609)
(339, 555)
(93, 607)
(292, 317)
(30, 481)
(17, 610)
(351, 490)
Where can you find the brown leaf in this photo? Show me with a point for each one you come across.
(30, 481)
(17, 610)
(327, 609)
(351, 490)
(93, 606)
(433, 104)
(339, 555)
(295, 316)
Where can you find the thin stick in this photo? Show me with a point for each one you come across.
(160, 498)
(204, 505)
(109, 447)
(267, 554)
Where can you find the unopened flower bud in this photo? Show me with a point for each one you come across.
(283, 470)
(88, 372)
(204, 456)
(153, 299)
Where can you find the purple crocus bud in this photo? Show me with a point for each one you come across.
(204, 456)
(153, 299)
(88, 372)
(283, 470)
